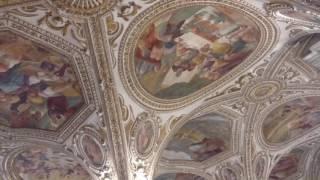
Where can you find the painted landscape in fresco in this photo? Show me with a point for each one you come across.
(291, 119)
(42, 163)
(92, 150)
(186, 50)
(179, 176)
(287, 165)
(38, 88)
(200, 139)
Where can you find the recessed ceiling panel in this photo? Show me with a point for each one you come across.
(38, 86)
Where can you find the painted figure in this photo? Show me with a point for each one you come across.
(144, 137)
(92, 150)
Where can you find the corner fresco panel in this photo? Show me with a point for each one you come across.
(38, 87)
(287, 165)
(187, 49)
(200, 139)
(291, 119)
(42, 163)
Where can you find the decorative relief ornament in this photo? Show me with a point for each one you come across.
(174, 68)
(83, 7)
(257, 91)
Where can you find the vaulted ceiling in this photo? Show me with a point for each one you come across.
(159, 89)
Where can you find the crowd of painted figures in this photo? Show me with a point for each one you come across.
(38, 88)
(188, 49)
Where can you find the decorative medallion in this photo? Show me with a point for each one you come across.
(38, 87)
(83, 7)
(144, 134)
(92, 150)
(174, 53)
(258, 92)
(38, 163)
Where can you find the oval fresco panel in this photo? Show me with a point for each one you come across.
(175, 50)
(200, 139)
(92, 150)
(179, 176)
(144, 137)
(293, 118)
(287, 165)
(38, 87)
(39, 163)
(187, 49)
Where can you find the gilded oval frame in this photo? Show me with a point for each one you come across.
(268, 38)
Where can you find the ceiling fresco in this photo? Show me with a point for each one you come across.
(200, 139)
(288, 165)
(189, 48)
(159, 90)
(38, 87)
(43, 163)
(293, 118)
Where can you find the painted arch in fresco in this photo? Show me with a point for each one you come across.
(38, 86)
(189, 48)
(179, 176)
(288, 165)
(38, 163)
(293, 118)
(200, 139)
